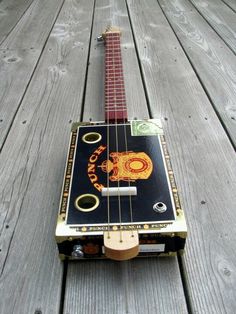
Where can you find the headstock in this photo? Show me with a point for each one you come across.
(109, 30)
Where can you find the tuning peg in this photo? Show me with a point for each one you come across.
(100, 38)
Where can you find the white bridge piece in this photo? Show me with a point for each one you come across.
(122, 191)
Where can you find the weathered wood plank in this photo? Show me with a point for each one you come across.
(32, 166)
(16, 68)
(10, 13)
(231, 4)
(34, 27)
(221, 18)
(137, 286)
(213, 61)
(202, 157)
(18, 58)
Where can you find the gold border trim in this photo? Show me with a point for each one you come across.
(68, 176)
(171, 175)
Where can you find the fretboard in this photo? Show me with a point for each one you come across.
(115, 101)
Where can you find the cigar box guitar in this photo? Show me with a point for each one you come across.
(119, 198)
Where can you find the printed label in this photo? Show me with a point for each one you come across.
(151, 248)
(146, 127)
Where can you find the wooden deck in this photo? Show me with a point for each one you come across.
(179, 64)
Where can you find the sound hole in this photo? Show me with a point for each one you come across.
(91, 137)
(86, 202)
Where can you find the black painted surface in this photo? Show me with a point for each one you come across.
(154, 189)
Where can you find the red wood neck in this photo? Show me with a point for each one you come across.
(115, 101)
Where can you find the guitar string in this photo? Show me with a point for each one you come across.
(120, 68)
(108, 144)
(113, 48)
(116, 132)
(126, 147)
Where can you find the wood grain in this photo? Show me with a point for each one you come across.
(221, 18)
(231, 4)
(138, 286)
(212, 60)
(32, 166)
(33, 28)
(16, 68)
(10, 13)
(203, 160)
(18, 58)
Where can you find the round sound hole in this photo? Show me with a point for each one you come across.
(91, 137)
(87, 202)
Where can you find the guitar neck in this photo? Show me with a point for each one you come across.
(115, 101)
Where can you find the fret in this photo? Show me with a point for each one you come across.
(111, 74)
(113, 52)
(122, 105)
(116, 109)
(115, 78)
(116, 56)
(110, 89)
(113, 55)
(119, 92)
(112, 84)
(114, 103)
(115, 66)
(108, 106)
(119, 105)
(112, 42)
(118, 73)
(107, 94)
(117, 70)
(111, 78)
(117, 98)
(114, 61)
(114, 35)
(112, 70)
(113, 58)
